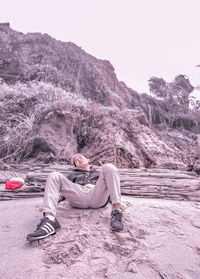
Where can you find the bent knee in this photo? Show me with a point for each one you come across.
(109, 166)
(54, 174)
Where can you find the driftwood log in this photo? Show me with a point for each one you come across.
(144, 183)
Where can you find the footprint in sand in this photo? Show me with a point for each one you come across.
(6, 228)
(196, 223)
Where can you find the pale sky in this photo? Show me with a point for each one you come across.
(141, 38)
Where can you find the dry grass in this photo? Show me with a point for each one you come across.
(22, 108)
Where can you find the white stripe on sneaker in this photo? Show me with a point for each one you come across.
(50, 226)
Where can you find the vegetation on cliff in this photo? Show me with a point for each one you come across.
(55, 100)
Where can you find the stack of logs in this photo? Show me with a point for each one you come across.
(143, 183)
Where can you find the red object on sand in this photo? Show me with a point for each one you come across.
(13, 185)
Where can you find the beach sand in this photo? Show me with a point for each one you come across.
(161, 240)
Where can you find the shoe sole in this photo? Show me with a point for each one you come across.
(31, 239)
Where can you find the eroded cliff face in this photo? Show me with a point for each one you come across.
(123, 137)
(68, 101)
(35, 56)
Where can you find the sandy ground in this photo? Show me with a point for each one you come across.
(17, 258)
(161, 240)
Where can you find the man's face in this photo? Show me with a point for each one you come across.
(81, 161)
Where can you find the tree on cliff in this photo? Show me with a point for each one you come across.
(158, 87)
(175, 94)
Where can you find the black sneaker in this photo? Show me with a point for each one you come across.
(116, 220)
(45, 228)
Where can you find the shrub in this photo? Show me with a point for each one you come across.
(23, 106)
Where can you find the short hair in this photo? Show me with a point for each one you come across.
(74, 157)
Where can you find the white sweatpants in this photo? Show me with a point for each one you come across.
(88, 196)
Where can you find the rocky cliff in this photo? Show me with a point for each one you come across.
(35, 56)
(57, 100)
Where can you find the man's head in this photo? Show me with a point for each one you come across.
(81, 161)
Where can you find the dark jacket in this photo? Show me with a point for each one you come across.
(84, 177)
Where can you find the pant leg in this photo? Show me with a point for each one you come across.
(57, 183)
(107, 185)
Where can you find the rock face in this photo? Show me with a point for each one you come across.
(106, 134)
(55, 129)
(35, 56)
(196, 166)
(129, 141)
(68, 101)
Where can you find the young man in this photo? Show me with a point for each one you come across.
(85, 187)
